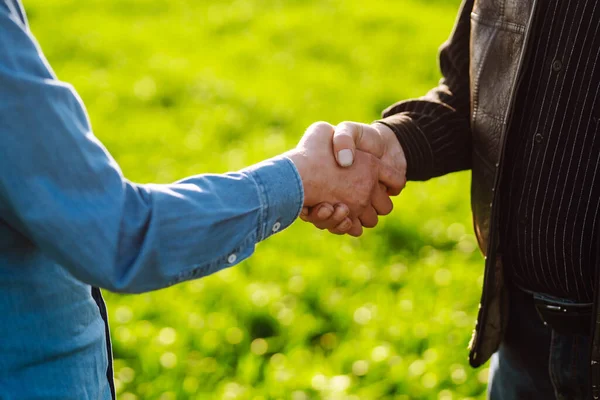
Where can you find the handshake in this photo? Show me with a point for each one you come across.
(349, 173)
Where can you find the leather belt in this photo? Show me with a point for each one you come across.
(566, 319)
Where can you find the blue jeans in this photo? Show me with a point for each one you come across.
(535, 362)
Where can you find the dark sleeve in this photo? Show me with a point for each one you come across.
(434, 130)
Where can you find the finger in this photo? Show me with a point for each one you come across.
(317, 134)
(381, 202)
(304, 214)
(341, 211)
(393, 179)
(356, 229)
(345, 137)
(319, 213)
(323, 211)
(320, 128)
(342, 227)
(326, 216)
(369, 218)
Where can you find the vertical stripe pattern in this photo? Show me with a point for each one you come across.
(550, 190)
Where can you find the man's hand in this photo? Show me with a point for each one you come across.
(356, 186)
(376, 139)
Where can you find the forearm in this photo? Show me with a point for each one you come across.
(435, 140)
(61, 189)
(75, 206)
(193, 228)
(66, 194)
(434, 130)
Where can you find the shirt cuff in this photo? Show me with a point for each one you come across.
(281, 194)
(417, 149)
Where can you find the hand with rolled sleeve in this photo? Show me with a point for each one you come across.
(349, 138)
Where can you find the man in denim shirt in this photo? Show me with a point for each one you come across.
(70, 222)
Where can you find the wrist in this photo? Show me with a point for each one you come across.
(392, 144)
(302, 165)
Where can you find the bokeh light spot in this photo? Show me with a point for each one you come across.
(380, 353)
(442, 277)
(234, 335)
(360, 368)
(168, 360)
(319, 382)
(259, 346)
(417, 368)
(126, 374)
(429, 380)
(458, 374)
(362, 315)
(340, 383)
(123, 314)
(167, 336)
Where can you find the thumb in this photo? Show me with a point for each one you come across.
(352, 136)
(345, 137)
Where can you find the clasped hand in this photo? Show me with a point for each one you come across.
(349, 173)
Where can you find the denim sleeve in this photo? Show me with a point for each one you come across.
(61, 189)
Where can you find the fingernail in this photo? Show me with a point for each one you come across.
(345, 209)
(345, 157)
(345, 225)
(323, 212)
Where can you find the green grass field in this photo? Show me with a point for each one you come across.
(181, 87)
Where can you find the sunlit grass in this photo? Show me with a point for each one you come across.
(176, 88)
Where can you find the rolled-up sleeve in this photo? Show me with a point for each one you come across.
(60, 188)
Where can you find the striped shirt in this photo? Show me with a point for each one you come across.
(550, 187)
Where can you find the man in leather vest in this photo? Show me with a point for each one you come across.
(518, 105)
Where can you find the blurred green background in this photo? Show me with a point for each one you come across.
(181, 87)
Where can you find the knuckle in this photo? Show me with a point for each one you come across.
(344, 226)
(363, 202)
(339, 217)
(320, 125)
(345, 125)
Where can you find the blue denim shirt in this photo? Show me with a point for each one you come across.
(70, 220)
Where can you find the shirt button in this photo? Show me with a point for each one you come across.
(276, 226)
(231, 259)
(556, 65)
(539, 137)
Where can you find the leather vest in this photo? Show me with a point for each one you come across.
(498, 45)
